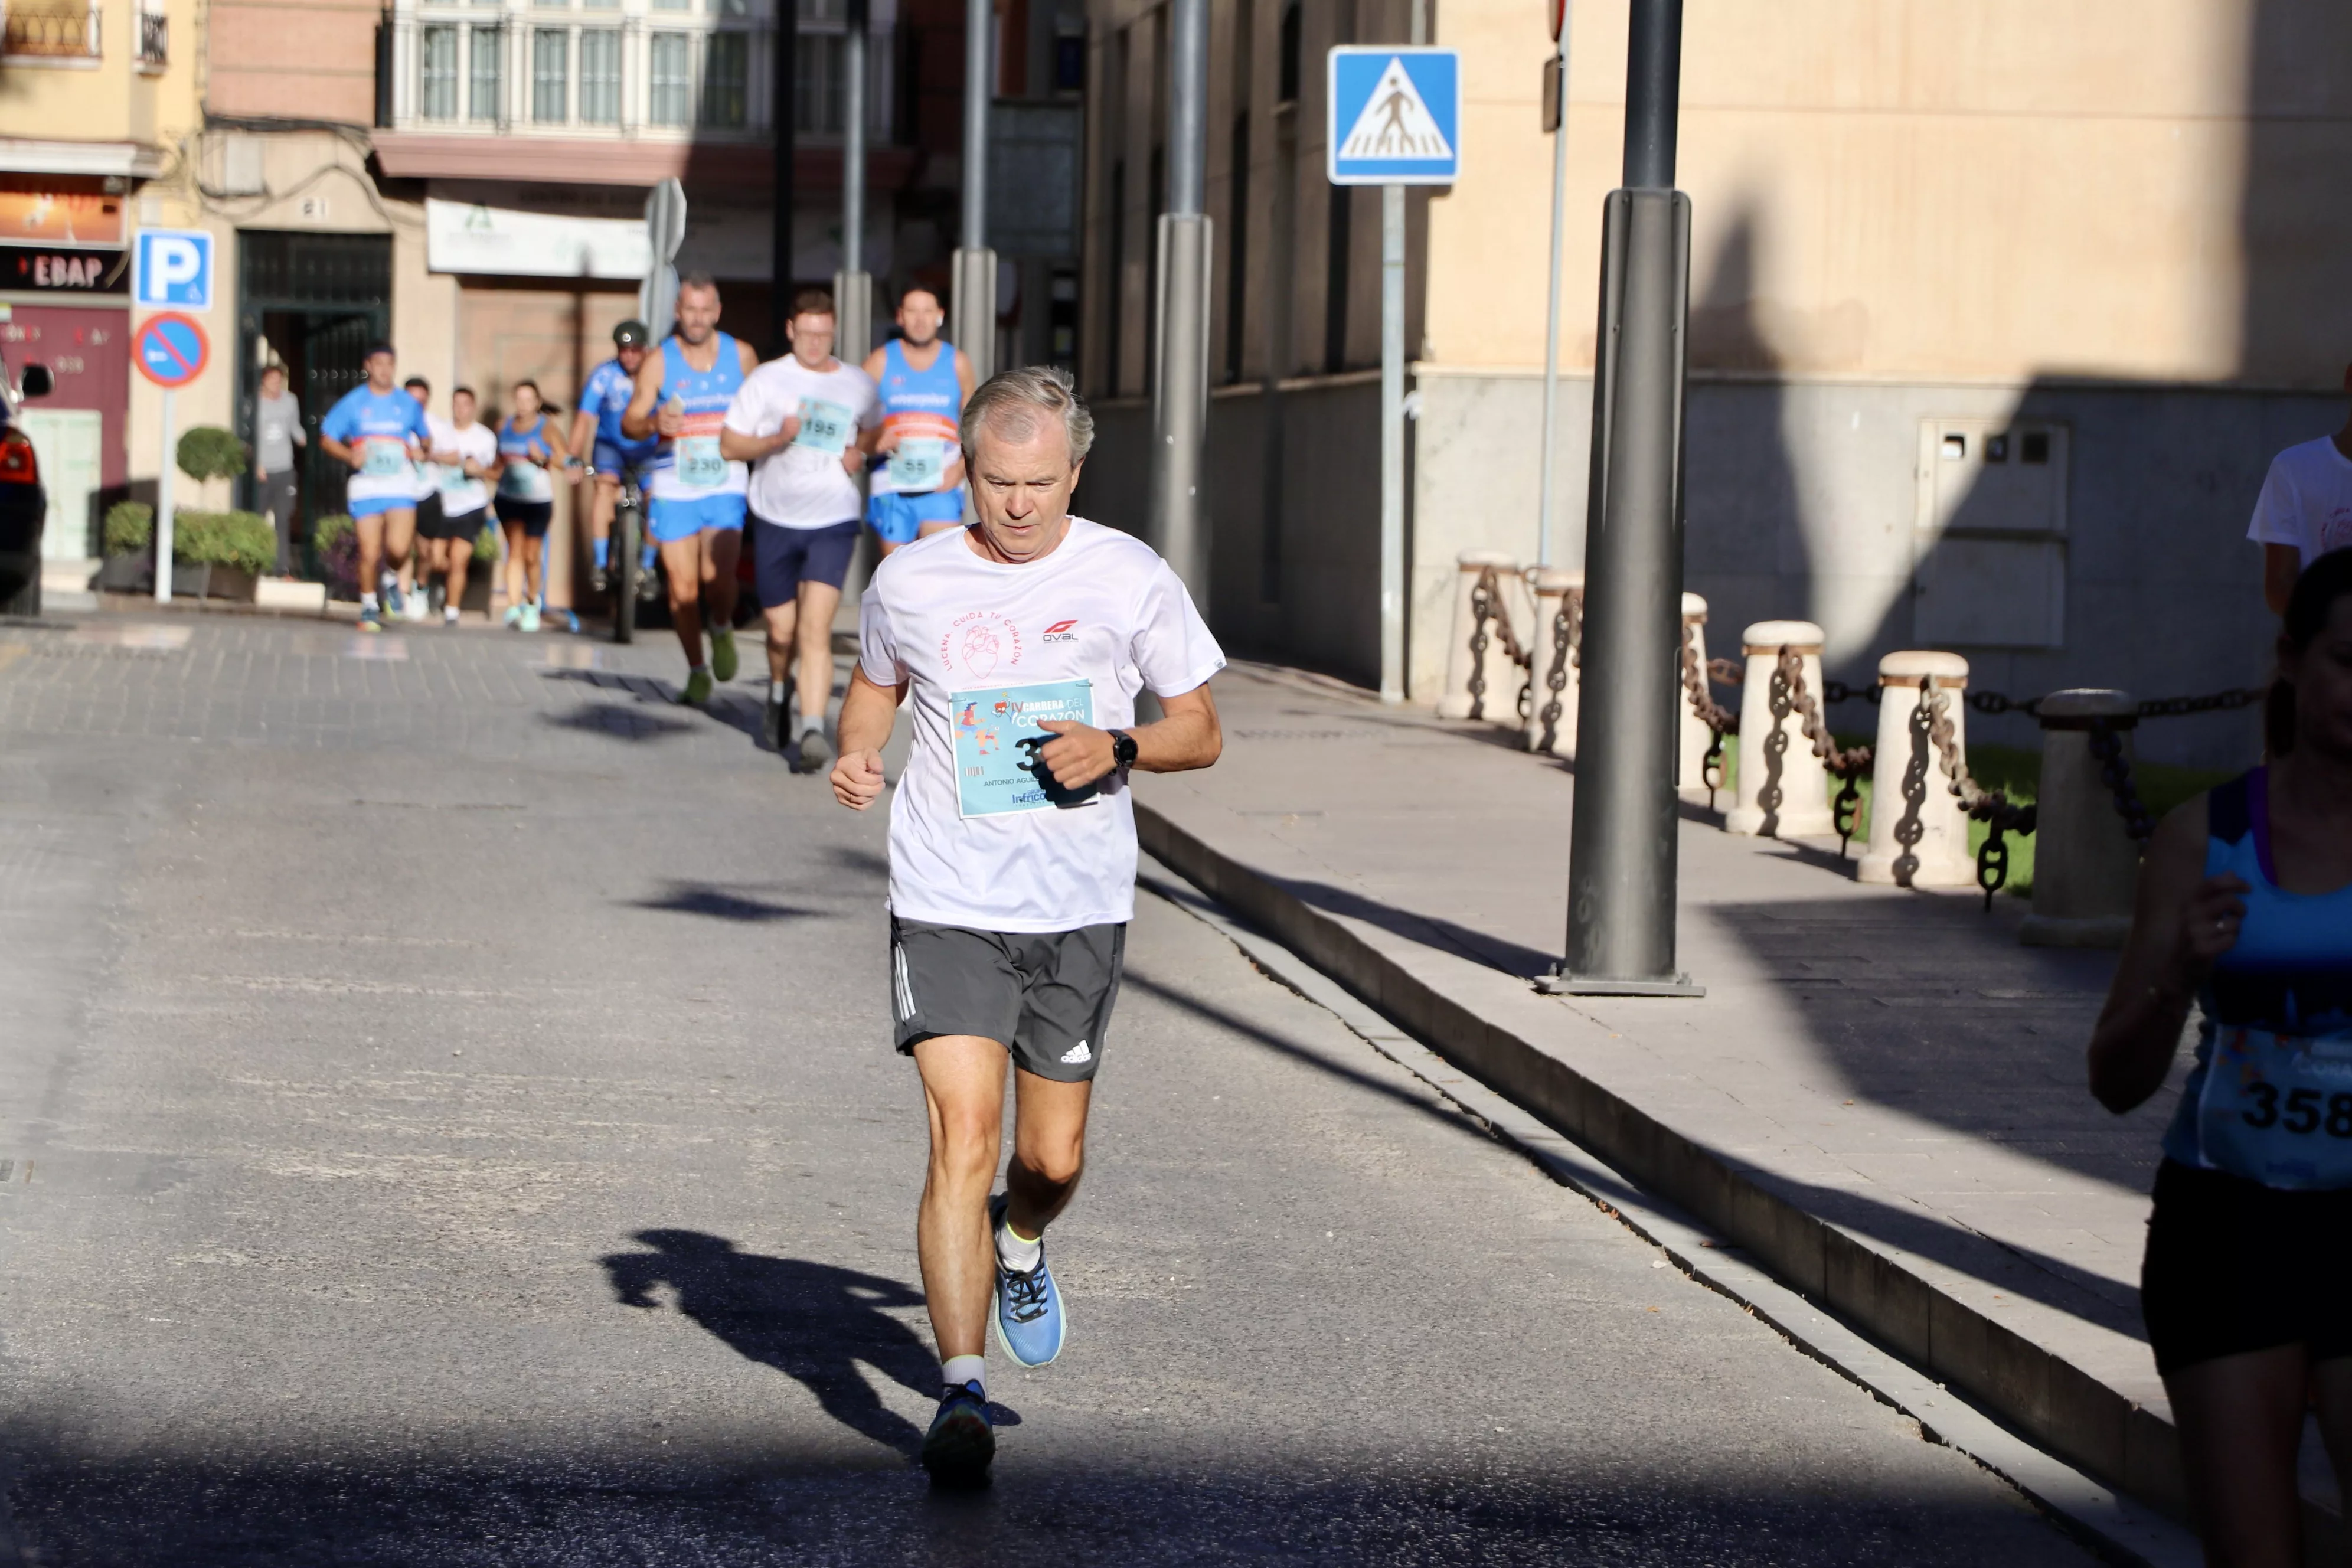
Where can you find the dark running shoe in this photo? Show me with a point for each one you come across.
(962, 1442)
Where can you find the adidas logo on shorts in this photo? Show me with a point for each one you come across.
(1077, 1055)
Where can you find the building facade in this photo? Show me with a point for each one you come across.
(1997, 319)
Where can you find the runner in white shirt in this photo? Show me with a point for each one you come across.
(2305, 510)
(465, 455)
(805, 422)
(1024, 641)
(424, 489)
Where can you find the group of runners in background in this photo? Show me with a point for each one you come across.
(798, 450)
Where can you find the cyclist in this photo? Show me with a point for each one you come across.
(924, 383)
(695, 505)
(380, 431)
(528, 445)
(596, 430)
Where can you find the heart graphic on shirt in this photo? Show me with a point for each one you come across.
(980, 651)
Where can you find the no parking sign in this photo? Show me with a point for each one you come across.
(170, 350)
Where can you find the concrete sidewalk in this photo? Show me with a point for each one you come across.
(1881, 1097)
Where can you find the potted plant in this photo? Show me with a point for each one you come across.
(215, 553)
(338, 544)
(208, 453)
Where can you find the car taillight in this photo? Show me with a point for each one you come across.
(17, 464)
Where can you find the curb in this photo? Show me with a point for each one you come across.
(2059, 1407)
(2115, 1528)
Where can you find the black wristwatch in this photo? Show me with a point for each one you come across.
(1122, 749)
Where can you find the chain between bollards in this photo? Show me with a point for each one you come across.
(1486, 605)
(1788, 677)
(1567, 654)
(1720, 720)
(1991, 808)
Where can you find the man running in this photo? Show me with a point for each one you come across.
(804, 422)
(465, 455)
(923, 383)
(695, 505)
(1025, 641)
(380, 431)
(596, 430)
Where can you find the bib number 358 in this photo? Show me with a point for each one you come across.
(2301, 1111)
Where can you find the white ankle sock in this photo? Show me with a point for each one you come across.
(1015, 1253)
(959, 1370)
(698, 669)
(780, 692)
(812, 723)
(367, 602)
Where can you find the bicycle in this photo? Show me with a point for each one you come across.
(629, 579)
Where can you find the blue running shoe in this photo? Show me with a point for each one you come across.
(1030, 1322)
(962, 1441)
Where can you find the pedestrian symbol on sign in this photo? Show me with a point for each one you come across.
(1395, 116)
(1395, 122)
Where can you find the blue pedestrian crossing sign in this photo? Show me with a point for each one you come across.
(1395, 116)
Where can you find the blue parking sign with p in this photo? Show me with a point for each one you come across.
(173, 270)
(1395, 116)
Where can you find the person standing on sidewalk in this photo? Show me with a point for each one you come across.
(277, 431)
(2245, 908)
(1024, 641)
(694, 507)
(924, 383)
(2305, 510)
(803, 422)
(465, 455)
(380, 431)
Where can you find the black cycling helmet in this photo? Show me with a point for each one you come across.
(633, 335)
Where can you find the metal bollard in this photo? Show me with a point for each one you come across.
(1499, 702)
(1693, 736)
(2085, 865)
(1552, 716)
(1784, 791)
(1918, 830)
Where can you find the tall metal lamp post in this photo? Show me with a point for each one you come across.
(1179, 396)
(973, 322)
(853, 286)
(1621, 845)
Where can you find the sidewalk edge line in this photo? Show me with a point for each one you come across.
(1774, 1232)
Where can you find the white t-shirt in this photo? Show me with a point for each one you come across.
(459, 494)
(2306, 500)
(804, 485)
(1101, 607)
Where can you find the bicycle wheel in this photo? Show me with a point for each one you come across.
(628, 537)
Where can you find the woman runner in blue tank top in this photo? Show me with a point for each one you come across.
(2245, 907)
(530, 447)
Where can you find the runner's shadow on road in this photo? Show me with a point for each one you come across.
(811, 1322)
(701, 898)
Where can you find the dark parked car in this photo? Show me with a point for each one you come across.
(24, 505)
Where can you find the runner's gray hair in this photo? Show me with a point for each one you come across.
(1017, 401)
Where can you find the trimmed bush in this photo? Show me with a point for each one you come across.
(486, 543)
(208, 452)
(338, 544)
(129, 527)
(244, 539)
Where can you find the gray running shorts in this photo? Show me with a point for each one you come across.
(1047, 995)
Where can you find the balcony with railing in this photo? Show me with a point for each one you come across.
(649, 74)
(50, 31)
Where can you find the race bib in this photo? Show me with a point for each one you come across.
(698, 462)
(997, 742)
(825, 426)
(385, 458)
(2277, 1109)
(917, 462)
(525, 481)
(453, 477)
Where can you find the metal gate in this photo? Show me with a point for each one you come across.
(313, 302)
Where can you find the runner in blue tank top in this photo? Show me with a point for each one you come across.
(917, 485)
(531, 449)
(2245, 907)
(381, 432)
(695, 500)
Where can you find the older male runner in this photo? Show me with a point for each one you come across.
(381, 432)
(1025, 640)
(695, 503)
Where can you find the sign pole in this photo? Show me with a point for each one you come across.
(1179, 396)
(163, 529)
(973, 322)
(1391, 443)
(1551, 293)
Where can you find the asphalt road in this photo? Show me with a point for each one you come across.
(447, 1118)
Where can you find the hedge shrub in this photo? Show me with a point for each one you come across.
(337, 545)
(241, 539)
(129, 527)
